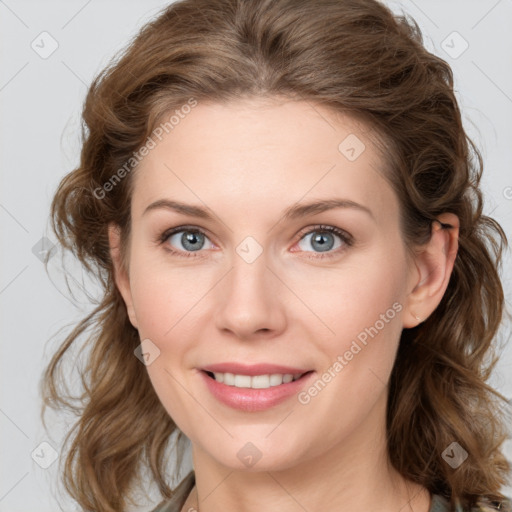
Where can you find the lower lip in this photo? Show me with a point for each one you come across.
(252, 400)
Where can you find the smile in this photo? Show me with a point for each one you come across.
(253, 393)
(255, 381)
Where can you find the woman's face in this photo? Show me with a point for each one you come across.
(262, 283)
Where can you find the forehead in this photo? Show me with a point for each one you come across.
(249, 154)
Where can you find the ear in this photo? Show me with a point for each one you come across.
(434, 264)
(121, 276)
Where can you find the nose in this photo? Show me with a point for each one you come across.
(251, 301)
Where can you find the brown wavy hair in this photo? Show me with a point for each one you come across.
(354, 57)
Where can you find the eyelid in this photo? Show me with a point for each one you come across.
(344, 235)
(185, 227)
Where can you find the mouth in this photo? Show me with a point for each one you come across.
(253, 388)
(264, 381)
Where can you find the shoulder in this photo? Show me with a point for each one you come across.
(179, 496)
(441, 504)
(504, 505)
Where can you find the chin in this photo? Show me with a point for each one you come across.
(252, 453)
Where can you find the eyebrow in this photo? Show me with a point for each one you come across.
(293, 212)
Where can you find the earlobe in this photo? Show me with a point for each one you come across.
(434, 264)
(121, 276)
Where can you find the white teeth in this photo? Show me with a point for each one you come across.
(276, 379)
(242, 381)
(229, 379)
(256, 381)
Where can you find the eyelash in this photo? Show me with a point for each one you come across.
(343, 235)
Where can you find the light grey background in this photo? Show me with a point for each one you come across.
(41, 99)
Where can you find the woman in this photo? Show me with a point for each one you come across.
(284, 210)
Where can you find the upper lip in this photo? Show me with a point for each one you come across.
(253, 369)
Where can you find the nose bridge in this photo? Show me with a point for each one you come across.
(249, 276)
(250, 293)
(249, 279)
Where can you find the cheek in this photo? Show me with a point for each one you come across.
(164, 304)
(357, 363)
(164, 297)
(354, 296)
(360, 307)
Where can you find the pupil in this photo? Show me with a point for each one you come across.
(189, 241)
(323, 244)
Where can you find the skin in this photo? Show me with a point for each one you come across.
(247, 161)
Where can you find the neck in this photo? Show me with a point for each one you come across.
(353, 475)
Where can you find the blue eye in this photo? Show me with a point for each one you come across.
(321, 238)
(191, 239)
